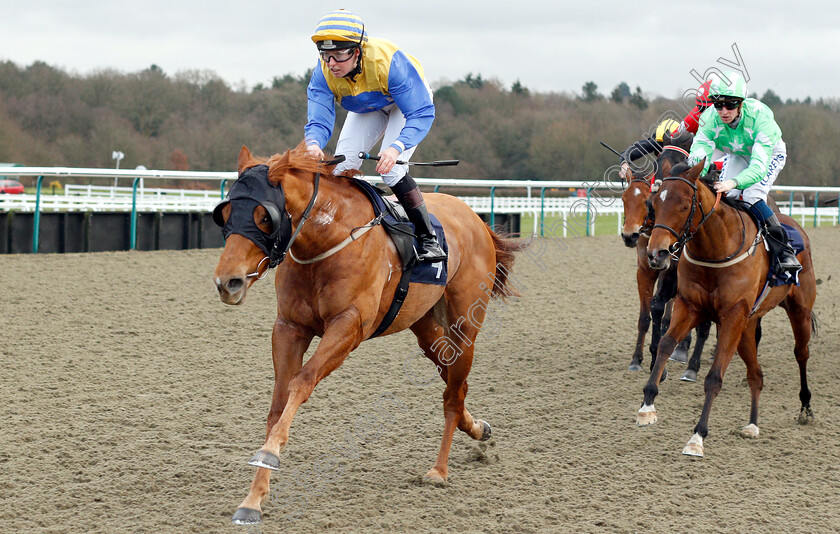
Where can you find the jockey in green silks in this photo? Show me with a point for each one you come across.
(744, 132)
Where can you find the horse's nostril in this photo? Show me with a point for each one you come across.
(234, 285)
(661, 254)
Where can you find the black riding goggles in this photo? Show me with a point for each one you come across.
(728, 104)
(252, 189)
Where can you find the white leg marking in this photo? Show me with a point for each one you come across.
(694, 447)
(646, 415)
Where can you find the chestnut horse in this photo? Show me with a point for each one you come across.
(722, 277)
(343, 297)
(652, 304)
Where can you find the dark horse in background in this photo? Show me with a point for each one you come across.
(723, 276)
(657, 288)
(343, 297)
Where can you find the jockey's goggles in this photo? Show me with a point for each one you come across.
(340, 56)
(728, 104)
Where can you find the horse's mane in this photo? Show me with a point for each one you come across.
(707, 179)
(298, 159)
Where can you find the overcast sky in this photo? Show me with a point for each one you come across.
(547, 45)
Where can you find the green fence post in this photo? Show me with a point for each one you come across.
(816, 203)
(133, 232)
(542, 212)
(492, 206)
(37, 222)
(224, 182)
(790, 205)
(437, 187)
(588, 200)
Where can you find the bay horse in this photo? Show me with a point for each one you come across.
(656, 288)
(723, 280)
(343, 297)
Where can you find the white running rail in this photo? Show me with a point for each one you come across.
(105, 198)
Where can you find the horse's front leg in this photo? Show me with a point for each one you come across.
(645, 282)
(661, 308)
(690, 374)
(288, 344)
(342, 334)
(731, 329)
(683, 320)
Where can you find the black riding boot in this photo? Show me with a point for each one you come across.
(787, 258)
(412, 200)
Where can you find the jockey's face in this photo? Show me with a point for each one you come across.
(338, 68)
(728, 115)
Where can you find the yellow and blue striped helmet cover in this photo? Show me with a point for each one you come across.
(340, 25)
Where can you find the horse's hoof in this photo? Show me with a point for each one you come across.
(246, 516)
(265, 459)
(646, 416)
(434, 477)
(806, 416)
(487, 432)
(694, 447)
(689, 376)
(679, 355)
(749, 431)
(635, 366)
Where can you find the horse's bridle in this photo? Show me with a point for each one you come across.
(276, 250)
(274, 259)
(650, 219)
(647, 224)
(687, 233)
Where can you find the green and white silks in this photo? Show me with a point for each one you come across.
(756, 140)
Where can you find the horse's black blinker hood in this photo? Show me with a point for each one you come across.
(250, 190)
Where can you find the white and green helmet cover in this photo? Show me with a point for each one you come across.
(733, 85)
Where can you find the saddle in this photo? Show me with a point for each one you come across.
(774, 242)
(393, 218)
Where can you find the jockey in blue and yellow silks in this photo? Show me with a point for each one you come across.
(386, 96)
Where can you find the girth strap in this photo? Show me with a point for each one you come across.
(396, 303)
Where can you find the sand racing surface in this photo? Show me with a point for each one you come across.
(131, 399)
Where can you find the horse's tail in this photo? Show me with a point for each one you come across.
(505, 249)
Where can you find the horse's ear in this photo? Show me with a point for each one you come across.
(695, 171)
(244, 158)
(279, 164)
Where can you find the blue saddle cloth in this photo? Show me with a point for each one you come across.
(398, 226)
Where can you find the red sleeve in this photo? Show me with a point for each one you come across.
(692, 120)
